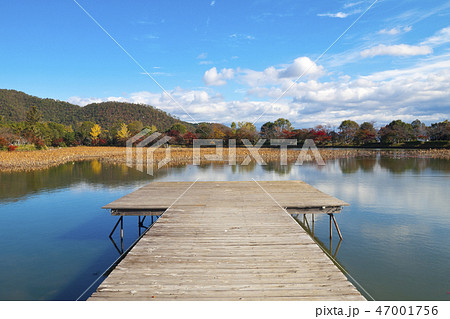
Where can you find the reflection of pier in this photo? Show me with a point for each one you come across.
(226, 241)
(302, 219)
(153, 216)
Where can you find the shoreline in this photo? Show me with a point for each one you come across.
(42, 159)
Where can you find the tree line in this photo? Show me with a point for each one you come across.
(33, 132)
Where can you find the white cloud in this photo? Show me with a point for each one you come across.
(212, 77)
(202, 56)
(396, 50)
(240, 36)
(440, 37)
(352, 4)
(421, 91)
(334, 15)
(205, 62)
(396, 30)
(212, 3)
(272, 75)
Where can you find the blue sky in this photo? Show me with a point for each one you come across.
(227, 61)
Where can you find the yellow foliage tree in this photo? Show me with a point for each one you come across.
(218, 134)
(153, 129)
(123, 133)
(96, 130)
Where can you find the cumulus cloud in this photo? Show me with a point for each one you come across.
(212, 77)
(271, 75)
(441, 37)
(396, 30)
(421, 91)
(396, 50)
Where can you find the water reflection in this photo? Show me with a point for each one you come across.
(15, 185)
(395, 231)
(393, 165)
(309, 227)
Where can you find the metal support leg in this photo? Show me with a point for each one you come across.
(312, 223)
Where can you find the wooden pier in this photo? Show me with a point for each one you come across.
(226, 241)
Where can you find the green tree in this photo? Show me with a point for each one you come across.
(204, 130)
(83, 132)
(395, 132)
(32, 118)
(268, 130)
(347, 131)
(233, 127)
(440, 131)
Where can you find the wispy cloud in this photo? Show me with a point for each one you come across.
(395, 30)
(334, 15)
(440, 37)
(352, 4)
(212, 3)
(240, 36)
(202, 56)
(396, 50)
(159, 73)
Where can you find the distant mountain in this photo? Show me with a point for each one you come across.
(15, 104)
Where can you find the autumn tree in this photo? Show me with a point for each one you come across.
(123, 133)
(366, 133)
(246, 130)
(135, 127)
(281, 125)
(178, 127)
(96, 130)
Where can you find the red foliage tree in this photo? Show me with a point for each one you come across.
(189, 137)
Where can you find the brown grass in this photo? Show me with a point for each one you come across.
(32, 160)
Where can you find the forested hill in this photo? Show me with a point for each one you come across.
(15, 104)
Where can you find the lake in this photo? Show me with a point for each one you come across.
(54, 236)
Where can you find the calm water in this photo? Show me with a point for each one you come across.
(54, 235)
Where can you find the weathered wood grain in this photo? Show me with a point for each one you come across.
(226, 241)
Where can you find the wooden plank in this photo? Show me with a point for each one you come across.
(226, 241)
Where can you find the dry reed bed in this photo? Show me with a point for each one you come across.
(32, 160)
